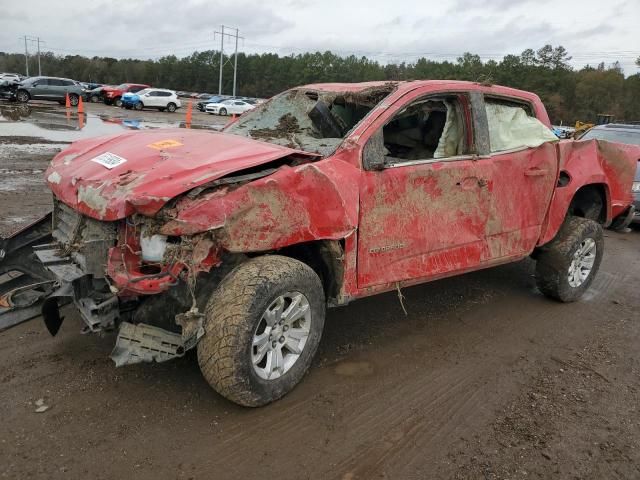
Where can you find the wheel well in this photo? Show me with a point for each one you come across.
(590, 201)
(326, 258)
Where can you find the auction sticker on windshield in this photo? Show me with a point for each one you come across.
(109, 160)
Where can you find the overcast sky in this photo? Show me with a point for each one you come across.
(389, 31)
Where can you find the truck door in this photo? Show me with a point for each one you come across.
(423, 211)
(521, 179)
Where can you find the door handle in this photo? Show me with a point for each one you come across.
(536, 172)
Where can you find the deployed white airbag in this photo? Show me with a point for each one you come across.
(511, 128)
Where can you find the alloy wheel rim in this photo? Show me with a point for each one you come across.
(582, 262)
(281, 335)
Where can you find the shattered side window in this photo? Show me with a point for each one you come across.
(426, 129)
(512, 127)
(313, 121)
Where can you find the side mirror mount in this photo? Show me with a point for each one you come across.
(373, 153)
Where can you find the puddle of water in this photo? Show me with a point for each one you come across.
(59, 126)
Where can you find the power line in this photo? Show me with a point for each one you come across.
(26, 52)
(235, 64)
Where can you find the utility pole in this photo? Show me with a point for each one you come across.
(222, 62)
(26, 55)
(235, 65)
(39, 69)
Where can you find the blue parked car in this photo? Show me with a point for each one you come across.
(158, 98)
(131, 100)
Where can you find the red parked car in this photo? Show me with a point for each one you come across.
(113, 95)
(235, 243)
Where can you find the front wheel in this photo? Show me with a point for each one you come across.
(263, 325)
(567, 265)
(23, 96)
(74, 99)
(94, 98)
(118, 102)
(171, 107)
(138, 106)
(223, 111)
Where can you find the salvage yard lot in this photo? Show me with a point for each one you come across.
(483, 378)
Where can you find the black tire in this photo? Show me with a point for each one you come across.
(118, 102)
(171, 107)
(555, 258)
(139, 106)
(222, 111)
(94, 98)
(233, 314)
(74, 99)
(23, 96)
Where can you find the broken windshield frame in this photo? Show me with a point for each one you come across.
(315, 121)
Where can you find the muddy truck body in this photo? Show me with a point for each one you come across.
(236, 242)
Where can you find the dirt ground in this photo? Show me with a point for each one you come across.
(484, 378)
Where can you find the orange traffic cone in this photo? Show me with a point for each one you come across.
(67, 103)
(80, 105)
(187, 119)
(80, 121)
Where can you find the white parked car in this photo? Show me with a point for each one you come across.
(9, 77)
(229, 107)
(159, 98)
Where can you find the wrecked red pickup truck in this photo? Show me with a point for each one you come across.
(234, 243)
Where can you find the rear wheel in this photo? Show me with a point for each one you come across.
(567, 265)
(171, 107)
(118, 102)
(263, 325)
(23, 96)
(223, 111)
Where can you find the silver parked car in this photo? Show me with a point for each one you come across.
(49, 88)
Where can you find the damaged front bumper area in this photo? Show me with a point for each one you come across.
(98, 267)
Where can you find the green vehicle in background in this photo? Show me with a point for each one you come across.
(49, 88)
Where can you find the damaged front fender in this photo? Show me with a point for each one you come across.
(313, 201)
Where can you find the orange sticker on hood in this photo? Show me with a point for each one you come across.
(165, 144)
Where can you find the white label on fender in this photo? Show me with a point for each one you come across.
(109, 160)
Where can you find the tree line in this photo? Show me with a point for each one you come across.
(569, 94)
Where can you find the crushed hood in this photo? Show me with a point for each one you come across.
(109, 178)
